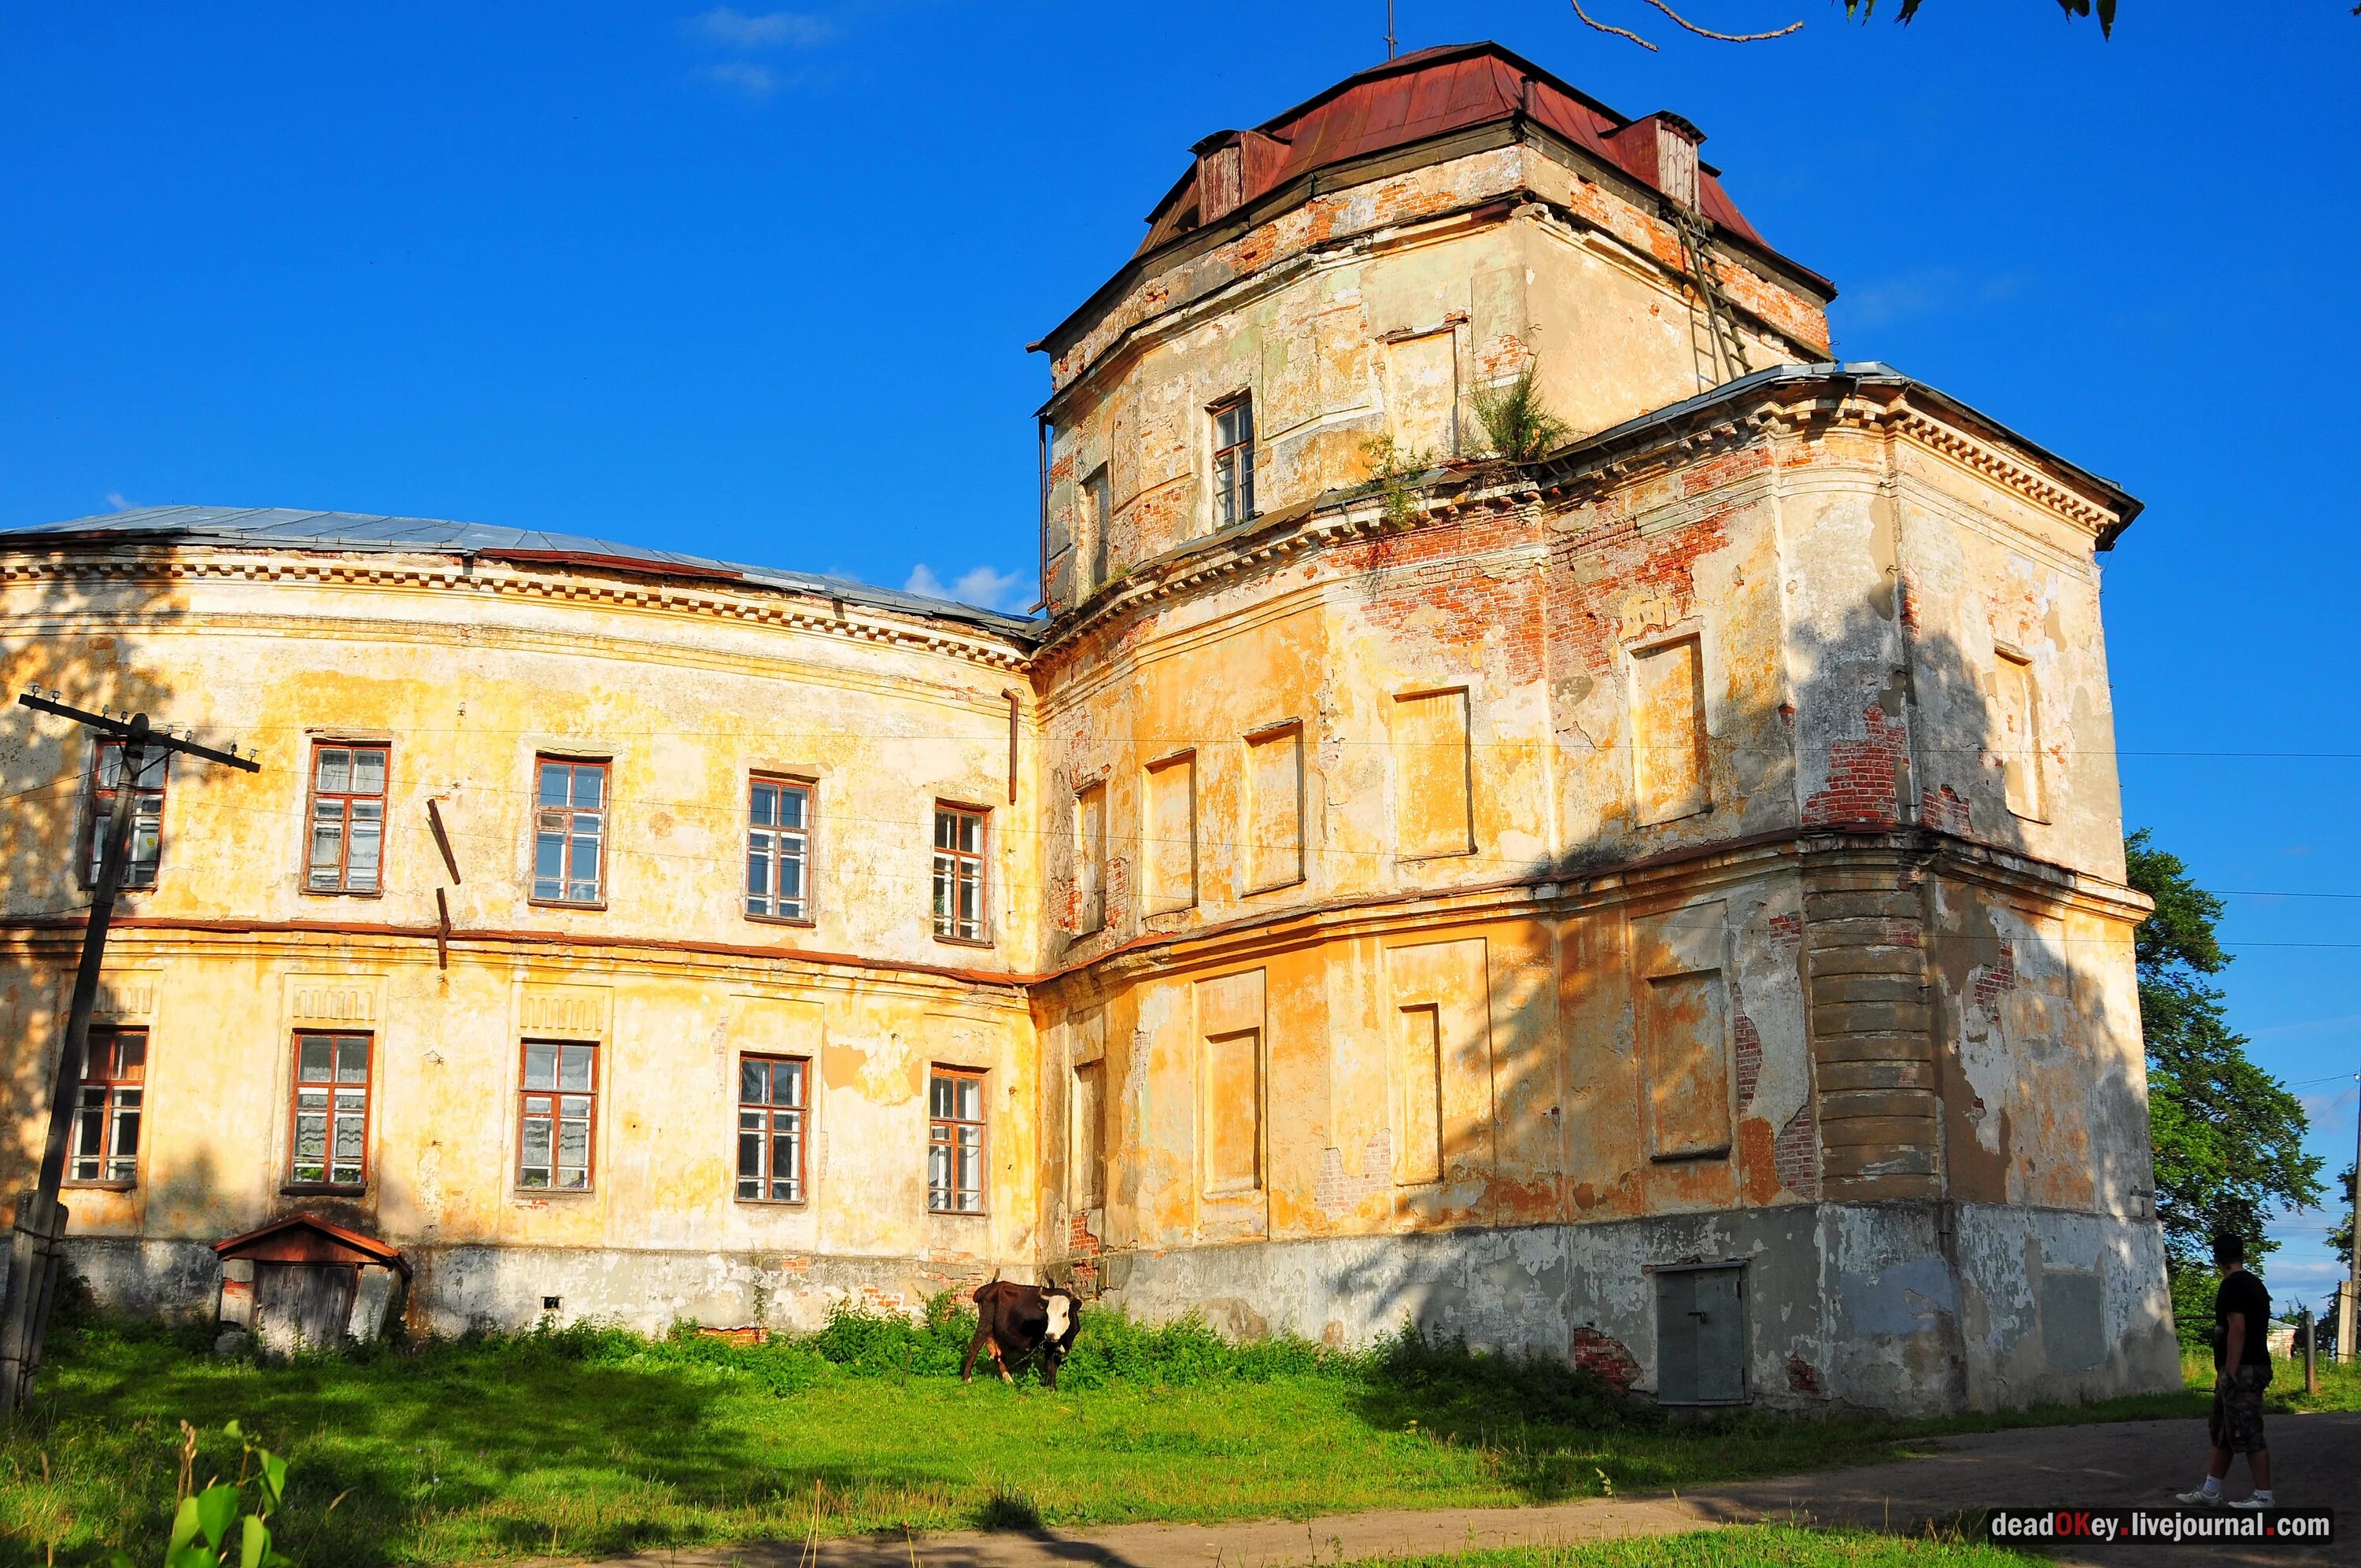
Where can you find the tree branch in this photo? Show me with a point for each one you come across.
(1602, 27)
(1721, 37)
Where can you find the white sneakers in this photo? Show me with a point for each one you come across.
(2201, 1499)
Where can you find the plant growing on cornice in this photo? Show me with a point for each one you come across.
(1391, 468)
(1517, 423)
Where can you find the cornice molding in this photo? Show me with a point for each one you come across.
(170, 562)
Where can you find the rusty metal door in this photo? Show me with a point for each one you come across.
(1700, 1336)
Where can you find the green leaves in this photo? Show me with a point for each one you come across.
(1516, 420)
(1863, 8)
(2228, 1136)
(208, 1528)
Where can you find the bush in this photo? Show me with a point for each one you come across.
(1520, 425)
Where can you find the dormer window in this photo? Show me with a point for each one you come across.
(1234, 461)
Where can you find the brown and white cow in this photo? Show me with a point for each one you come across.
(1016, 1322)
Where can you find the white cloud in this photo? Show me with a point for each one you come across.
(739, 76)
(115, 499)
(978, 585)
(733, 28)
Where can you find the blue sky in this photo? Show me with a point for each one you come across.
(757, 283)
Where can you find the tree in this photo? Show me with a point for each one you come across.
(2340, 1240)
(2228, 1135)
(1862, 10)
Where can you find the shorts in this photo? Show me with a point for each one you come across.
(2236, 1424)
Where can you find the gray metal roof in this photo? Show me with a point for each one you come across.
(283, 528)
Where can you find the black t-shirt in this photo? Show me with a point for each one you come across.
(2243, 1293)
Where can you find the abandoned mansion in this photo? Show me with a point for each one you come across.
(1643, 885)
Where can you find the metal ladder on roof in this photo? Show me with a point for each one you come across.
(1719, 352)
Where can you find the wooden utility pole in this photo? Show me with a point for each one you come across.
(37, 1241)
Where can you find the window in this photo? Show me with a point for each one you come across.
(347, 818)
(1090, 858)
(559, 1115)
(107, 1106)
(959, 875)
(771, 1129)
(569, 836)
(1101, 492)
(146, 814)
(955, 1142)
(778, 846)
(1234, 462)
(331, 1089)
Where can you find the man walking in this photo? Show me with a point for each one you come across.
(2242, 1370)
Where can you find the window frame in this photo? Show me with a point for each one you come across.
(937, 1126)
(1233, 474)
(942, 917)
(525, 1094)
(297, 1083)
(605, 811)
(769, 1109)
(98, 806)
(809, 789)
(314, 794)
(110, 1109)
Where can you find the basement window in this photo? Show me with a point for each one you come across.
(1234, 461)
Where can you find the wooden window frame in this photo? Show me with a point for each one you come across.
(314, 794)
(605, 812)
(944, 917)
(98, 806)
(809, 790)
(770, 1109)
(943, 1133)
(298, 1083)
(1234, 463)
(527, 1094)
(110, 1108)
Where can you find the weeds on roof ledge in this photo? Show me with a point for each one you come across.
(1391, 470)
(1517, 423)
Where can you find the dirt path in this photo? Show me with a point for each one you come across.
(2121, 1464)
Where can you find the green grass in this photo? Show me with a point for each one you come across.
(595, 1441)
(1749, 1546)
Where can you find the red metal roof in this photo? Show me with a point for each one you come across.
(307, 1238)
(1427, 95)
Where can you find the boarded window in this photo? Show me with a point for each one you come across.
(1432, 810)
(1668, 731)
(1443, 1059)
(778, 848)
(1098, 499)
(1089, 1147)
(569, 836)
(2019, 741)
(146, 814)
(1275, 808)
(1418, 1064)
(332, 1104)
(955, 1142)
(1423, 396)
(1230, 1095)
(108, 1106)
(1090, 858)
(958, 882)
(1685, 1037)
(770, 1128)
(558, 1119)
(1172, 832)
(347, 818)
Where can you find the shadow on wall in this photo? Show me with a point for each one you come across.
(1885, 726)
(80, 634)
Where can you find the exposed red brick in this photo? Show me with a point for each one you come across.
(1802, 1377)
(1944, 811)
(1863, 774)
(1604, 1356)
(1795, 1154)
